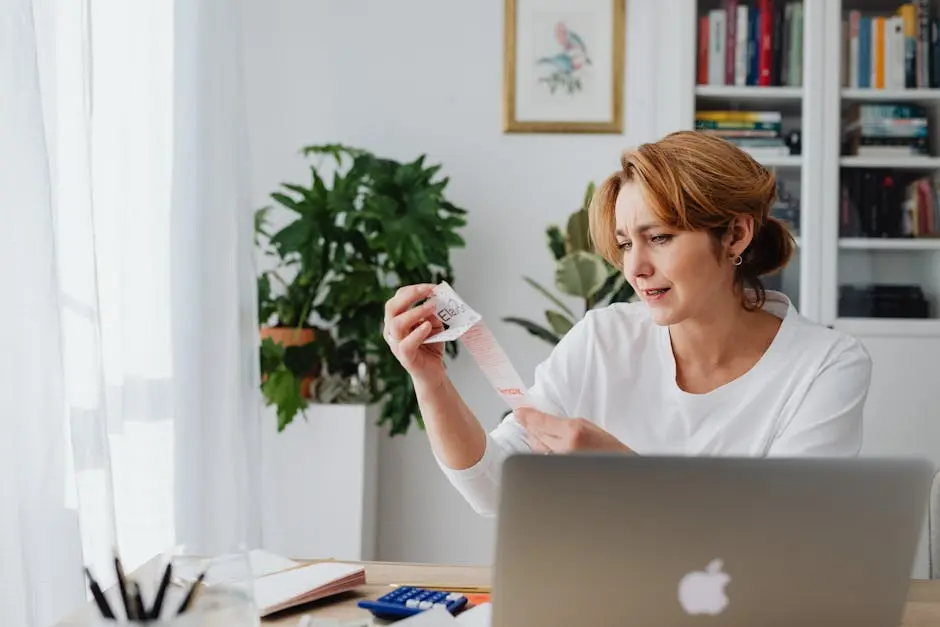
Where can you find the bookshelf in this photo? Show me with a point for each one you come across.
(851, 132)
(881, 107)
(857, 157)
(762, 114)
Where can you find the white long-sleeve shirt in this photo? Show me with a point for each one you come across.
(804, 397)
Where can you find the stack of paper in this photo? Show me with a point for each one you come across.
(477, 616)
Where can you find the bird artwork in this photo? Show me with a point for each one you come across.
(565, 68)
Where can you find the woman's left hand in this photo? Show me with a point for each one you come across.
(551, 434)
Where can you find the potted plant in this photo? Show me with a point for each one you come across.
(580, 272)
(361, 227)
(289, 359)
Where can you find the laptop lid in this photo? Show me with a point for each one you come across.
(654, 541)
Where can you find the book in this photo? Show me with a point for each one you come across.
(298, 586)
(752, 43)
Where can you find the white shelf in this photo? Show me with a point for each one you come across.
(749, 92)
(856, 94)
(874, 243)
(890, 327)
(900, 163)
(770, 97)
(816, 109)
(783, 161)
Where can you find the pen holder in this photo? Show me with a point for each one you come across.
(178, 590)
(215, 606)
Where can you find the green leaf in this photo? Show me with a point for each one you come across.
(293, 238)
(261, 222)
(581, 274)
(560, 324)
(556, 242)
(447, 206)
(282, 388)
(588, 195)
(298, 189)
(453, 240)
(535, 329)
(266, 305)
(290, 203)
(272, 354)
(612, 285)
(549, 296)
(578, 236)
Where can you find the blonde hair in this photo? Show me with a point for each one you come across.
(699, 182)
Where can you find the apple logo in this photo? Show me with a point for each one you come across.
(703, 591)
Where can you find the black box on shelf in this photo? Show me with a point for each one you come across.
(882, 301)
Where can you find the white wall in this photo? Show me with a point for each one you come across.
(424, 76)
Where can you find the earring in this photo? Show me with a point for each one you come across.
(737, 260)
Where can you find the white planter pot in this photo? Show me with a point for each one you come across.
(318, 485)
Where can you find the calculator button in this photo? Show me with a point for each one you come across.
(411, 603)
(425, 605)
(454, 596)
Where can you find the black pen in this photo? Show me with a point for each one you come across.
(189, 595)
(122, 585)
(161, 593)
(138, 602)
(100, 601)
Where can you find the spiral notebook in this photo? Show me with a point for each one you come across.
(297, 586)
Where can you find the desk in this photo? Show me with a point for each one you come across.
(922, 610)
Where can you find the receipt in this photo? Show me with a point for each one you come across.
(463, 323)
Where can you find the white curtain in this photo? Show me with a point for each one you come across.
(128, 372)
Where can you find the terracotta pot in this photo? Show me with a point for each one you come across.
(288, 336)
(292, 336)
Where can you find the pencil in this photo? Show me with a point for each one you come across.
(184, 606)
(122, 585)
(161, 593)
(461, 589)
(138, 601)
(100, 601)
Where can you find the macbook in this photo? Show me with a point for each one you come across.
(596, 539)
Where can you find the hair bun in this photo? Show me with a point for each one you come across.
(771, 249)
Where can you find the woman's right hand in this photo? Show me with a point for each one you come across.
(407, 325)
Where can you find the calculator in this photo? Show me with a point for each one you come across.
(405, 601)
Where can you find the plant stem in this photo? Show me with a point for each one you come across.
(279, 279)
(306, 310)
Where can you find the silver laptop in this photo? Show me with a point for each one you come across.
(585, 540)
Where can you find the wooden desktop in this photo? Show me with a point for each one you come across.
(922, 609)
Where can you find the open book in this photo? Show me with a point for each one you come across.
(286, 589)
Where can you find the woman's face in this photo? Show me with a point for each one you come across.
(678, 274)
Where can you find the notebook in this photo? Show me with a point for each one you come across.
(283, 590)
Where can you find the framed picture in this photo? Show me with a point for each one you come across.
(563, 69)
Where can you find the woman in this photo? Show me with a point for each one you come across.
(707, 362)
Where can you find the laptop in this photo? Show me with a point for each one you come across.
(597, 539)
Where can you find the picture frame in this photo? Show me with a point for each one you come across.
(563, 66)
